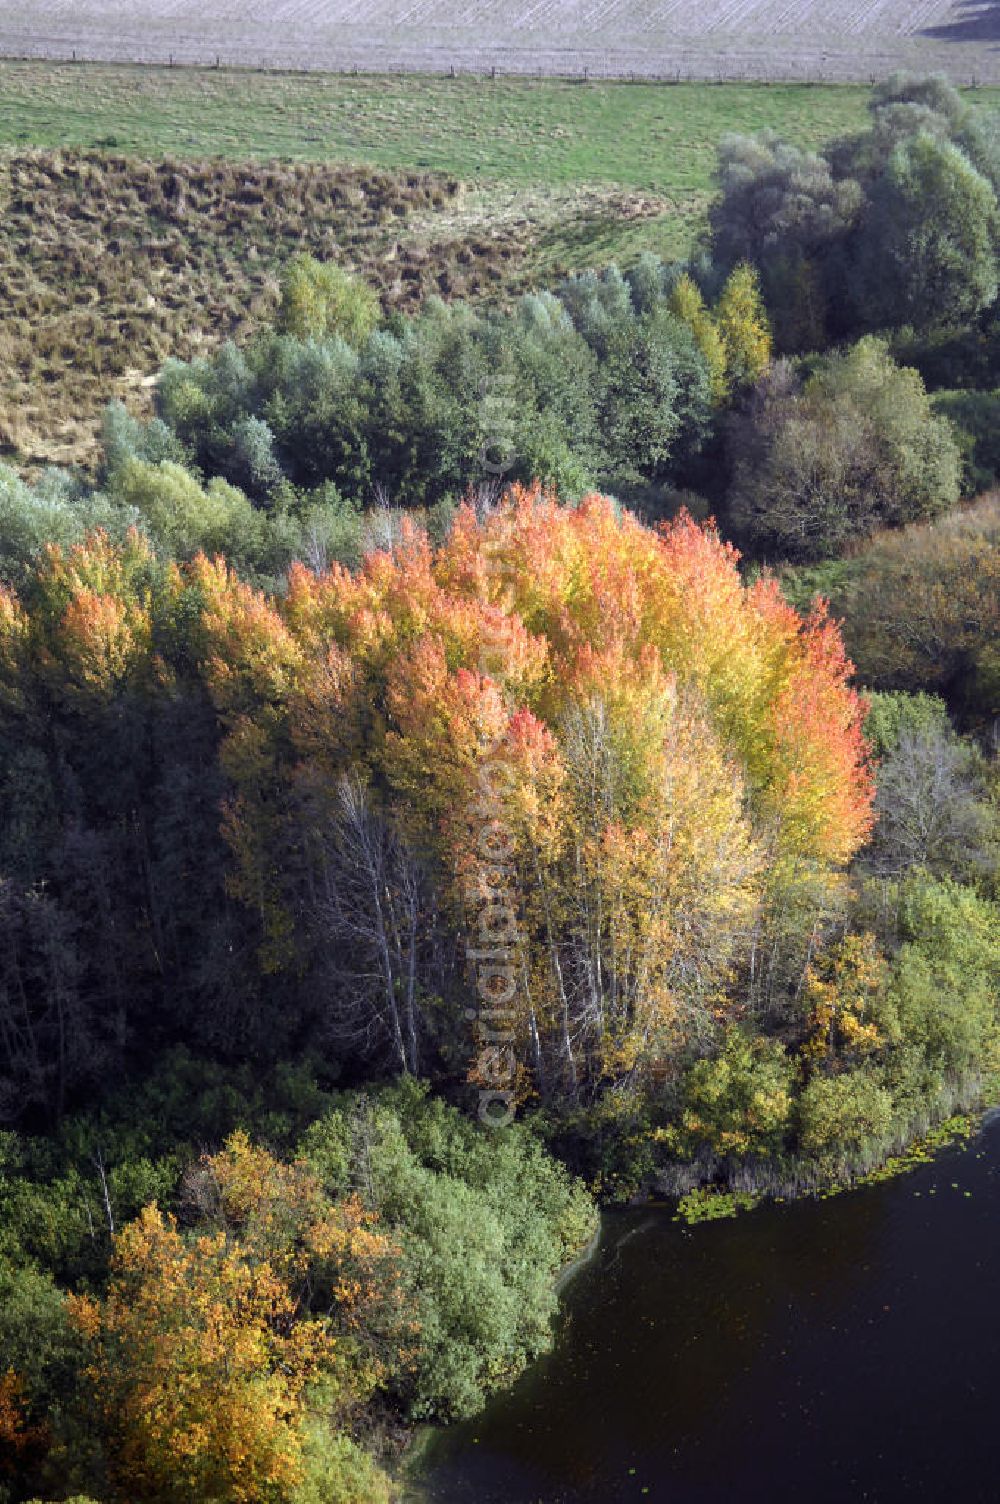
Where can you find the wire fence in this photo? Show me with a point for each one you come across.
(831, 68)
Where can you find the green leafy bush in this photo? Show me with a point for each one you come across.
(975, 417)
(840, 1116)
(893, 715)
(319, 299)
(486, 1219)
(737, 1102)
(186, 518)
(945, 982)
(338, 1471)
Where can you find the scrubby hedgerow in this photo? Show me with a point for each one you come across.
(613, 379)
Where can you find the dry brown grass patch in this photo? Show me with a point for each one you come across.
(108, 264)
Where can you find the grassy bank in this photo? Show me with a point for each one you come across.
(744, 1186)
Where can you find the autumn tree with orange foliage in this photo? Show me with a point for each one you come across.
(679, 751)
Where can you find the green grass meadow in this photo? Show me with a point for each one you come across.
(655, 136)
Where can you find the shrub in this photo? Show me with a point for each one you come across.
(738, 1102)
(822, 464)
(975, 418)
(600, 306)
(922, 611)
(893, 715)
(254, 463)
(337, 1471)
(485, 1219)
(320, 299)
(562, 390)
(839, 1117)
(945, 983)
(186, 519)
(125, 438)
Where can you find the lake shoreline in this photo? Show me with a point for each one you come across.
(699, 1339)
(726, 1201)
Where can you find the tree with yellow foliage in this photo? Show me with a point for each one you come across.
(742, 322)
(687, 303)
(228, 1364)
(199, 1368)
(841, 994)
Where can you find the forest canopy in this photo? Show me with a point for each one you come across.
(419, 817)
(677, 754)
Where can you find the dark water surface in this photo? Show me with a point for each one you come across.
(837, 1350)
